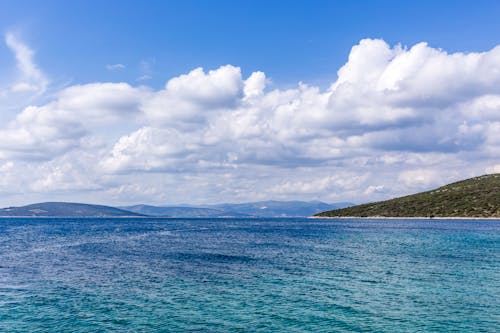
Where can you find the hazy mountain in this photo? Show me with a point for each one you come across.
(280, 208)
(181, 211)
(251, 209)
(65, 209)
(474, 197)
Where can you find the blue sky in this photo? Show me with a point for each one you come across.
(291, 41)
(122, 102)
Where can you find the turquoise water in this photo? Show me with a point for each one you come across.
(249, 275)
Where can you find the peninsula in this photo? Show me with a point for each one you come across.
(477, 197)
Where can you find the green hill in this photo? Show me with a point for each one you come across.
(474, 197)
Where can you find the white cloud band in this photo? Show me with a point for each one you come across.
(402, 113)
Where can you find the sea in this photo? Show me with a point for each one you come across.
(249, 275)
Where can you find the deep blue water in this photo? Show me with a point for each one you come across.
(249, 275)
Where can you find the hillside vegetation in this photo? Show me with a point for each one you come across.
(474, 197)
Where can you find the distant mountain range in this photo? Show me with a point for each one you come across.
(249, 210)
(474, 197)
(65, 209)
(280, 208)
(175, 211)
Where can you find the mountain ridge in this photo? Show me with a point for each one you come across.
(180, 211)
(269, 208)
(65, 209)
(477, 197)
(275, 208)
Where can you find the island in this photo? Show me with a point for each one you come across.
(66, 209)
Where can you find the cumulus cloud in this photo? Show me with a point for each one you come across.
(419, 177)
(40, 133)
(395, 120)
(314, 185)
(64, 176)
(191, 97)
(150, 149)
(382, 94)
(47, 131)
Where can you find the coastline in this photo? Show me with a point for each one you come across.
(405, 217)
(71, 217)
(305, 217)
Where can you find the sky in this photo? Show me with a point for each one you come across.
(163, 102)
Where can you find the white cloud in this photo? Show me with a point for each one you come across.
(485, 107)
(254, 85)
(101, 102)
(144, 77)
(150, 149)
(396, 120)
(370, 190)
(493, 169)
(146, 70)
(44, 132)
(63, 176)
(115, 67)
(420, 178)
(22, 84)
(339, 182)
(188, 99)
(32, 78)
